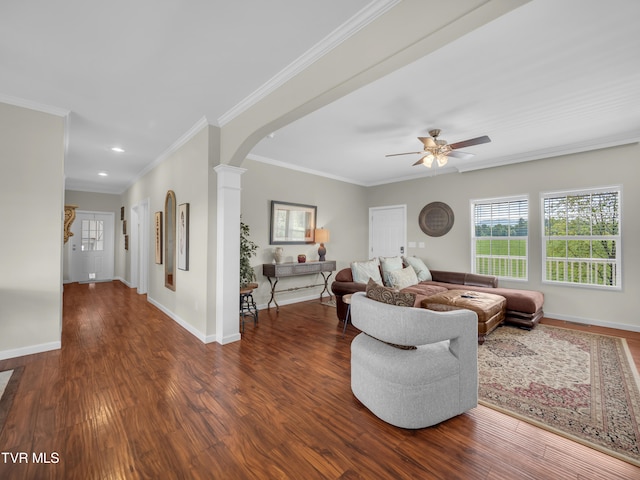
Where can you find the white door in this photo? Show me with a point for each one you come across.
(92, 247)
(139, 245)
(387, 231)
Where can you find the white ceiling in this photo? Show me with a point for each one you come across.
(549, 78)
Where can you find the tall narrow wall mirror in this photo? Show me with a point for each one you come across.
(170, 240)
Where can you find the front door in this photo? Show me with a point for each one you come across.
(92, 247)
(387, 231)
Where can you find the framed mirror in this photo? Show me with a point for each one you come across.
(292, 223)
(170, 240)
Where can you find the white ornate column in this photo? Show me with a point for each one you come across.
(228, 254)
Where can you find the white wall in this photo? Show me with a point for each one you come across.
(186, 172)
(31, 195)
(615, 166)
(342, 209)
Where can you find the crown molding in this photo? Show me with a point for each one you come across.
(31, 105)
(432, 172)
(188, 135)
(310, 171)
(595, 144)
(360, 20)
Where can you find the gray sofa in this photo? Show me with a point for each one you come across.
(420, 387)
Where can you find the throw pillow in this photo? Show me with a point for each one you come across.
(422, 272)
(395, 345)
(388, 265)
(400, 279)
(363, 271)
(390, 296)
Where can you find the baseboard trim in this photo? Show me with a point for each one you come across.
(188, 327)
(592, 321)
(30, 350)
(291, 301)
(229, 339)
(122, 280)
(214, 338)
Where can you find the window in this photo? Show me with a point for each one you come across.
(92, 235)
(581, 244)
(500, 237)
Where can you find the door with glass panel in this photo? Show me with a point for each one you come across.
(92, 252)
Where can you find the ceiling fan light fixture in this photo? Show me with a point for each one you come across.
(428, 160)
(436, 149)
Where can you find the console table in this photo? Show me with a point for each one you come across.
(276, 271)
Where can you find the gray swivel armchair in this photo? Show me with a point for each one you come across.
(419, 387)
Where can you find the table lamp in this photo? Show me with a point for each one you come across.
(322, 236)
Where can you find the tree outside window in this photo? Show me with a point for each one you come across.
(582, 237)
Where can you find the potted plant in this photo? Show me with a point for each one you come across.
(247, 250)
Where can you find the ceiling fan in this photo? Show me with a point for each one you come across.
(440, 150)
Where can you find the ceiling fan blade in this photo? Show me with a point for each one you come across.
(427, 141)
(471, 142)
(406, 153)
(419, 162)
(462, 155)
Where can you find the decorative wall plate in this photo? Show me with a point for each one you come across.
(436, 219)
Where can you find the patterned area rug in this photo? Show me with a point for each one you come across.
(579, 385)
(9, 380)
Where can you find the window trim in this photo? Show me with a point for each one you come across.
(502, 199)
(617, 238)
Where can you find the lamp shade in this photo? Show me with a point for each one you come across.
(321, 235)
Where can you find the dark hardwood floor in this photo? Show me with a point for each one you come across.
(133, 395)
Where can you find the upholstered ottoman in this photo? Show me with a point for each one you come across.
(490, 308)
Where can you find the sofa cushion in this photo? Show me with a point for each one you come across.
(363, 271)
(400, 279)
(422, 272)
(389, 265)
(528, 301)
(389, 295)
(423, 290)
(525, 301)
(466, 279)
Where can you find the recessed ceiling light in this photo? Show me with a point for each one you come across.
(117, 149)
(103, 174)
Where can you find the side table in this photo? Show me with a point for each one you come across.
(275, 271)
(347, 300)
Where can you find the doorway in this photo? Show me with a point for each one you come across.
(139, 246)
(387, 231)
(92, 247)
